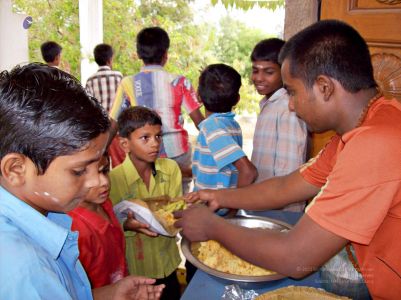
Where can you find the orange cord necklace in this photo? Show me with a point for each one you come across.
(366, 108)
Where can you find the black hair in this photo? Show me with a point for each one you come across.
(267, 50)
(46, 113)
(50, 50)
(136, 117)
(219, 86)
(103, 53)
(332, 48)
(151, 44)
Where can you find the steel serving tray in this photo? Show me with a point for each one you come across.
(248, 221)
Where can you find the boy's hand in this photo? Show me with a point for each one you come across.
(133, 224)
(130, 288)
(206, 196)
(137, 288)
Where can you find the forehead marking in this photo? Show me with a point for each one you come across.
(260, 67)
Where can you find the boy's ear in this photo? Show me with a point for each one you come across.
(325, 86)
(164, 58)
(124, 144)
(13, 168)
(199, 98)
(110, 62)
(57, 59)
(239, 97)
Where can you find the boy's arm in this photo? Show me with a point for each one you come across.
(190, 101)
(272, 193)
(197, 117)
(247, 172)
(123, 99)
(226, 150)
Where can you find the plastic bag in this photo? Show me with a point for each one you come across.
(339, 276)
(234, 292)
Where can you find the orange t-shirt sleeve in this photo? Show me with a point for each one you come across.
(360, 186)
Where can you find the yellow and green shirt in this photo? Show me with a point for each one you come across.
(155, 257)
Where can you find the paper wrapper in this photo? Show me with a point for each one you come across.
(143, 210)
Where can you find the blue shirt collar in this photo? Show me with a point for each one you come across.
(49, 232)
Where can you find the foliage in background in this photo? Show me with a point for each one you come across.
(53, 20)
(234, 45)
(248, 4)
(193, 46)
(188, 48)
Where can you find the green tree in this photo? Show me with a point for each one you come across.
(193, 46)
(53, 20)
(234, 45)
(246, 4)
(189, 43)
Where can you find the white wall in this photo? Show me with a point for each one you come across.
(13, 37)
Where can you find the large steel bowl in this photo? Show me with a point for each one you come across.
(189, 248)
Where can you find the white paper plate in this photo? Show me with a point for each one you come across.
(141, 213)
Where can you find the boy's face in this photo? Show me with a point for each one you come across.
(65, 183)
(100, 193)
(143, 144)
(266, 77)
(308, 104)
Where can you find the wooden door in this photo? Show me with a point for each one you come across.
(379, 22)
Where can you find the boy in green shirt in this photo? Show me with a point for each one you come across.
(143, 175)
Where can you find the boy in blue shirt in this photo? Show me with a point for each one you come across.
(219, 161)
(52, 137)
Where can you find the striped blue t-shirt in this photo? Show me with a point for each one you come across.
(218, 146)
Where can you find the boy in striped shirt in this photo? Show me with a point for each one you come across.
(219, 161)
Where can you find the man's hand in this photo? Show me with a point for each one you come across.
(130, 288)
(207, 196)
(196, 222)
(133, 225)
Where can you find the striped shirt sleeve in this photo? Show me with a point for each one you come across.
(222, 144)
(124, 98)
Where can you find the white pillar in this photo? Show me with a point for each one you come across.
(13, 37)
(91, 34)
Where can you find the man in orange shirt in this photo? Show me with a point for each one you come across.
(355, 180)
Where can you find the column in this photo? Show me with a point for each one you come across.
(13, 37)
(91, 34)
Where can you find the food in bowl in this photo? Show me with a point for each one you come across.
(215, 256)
